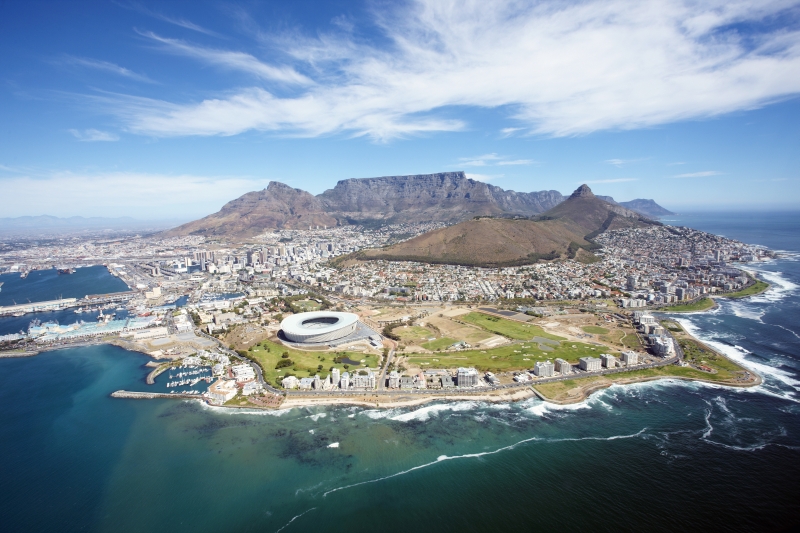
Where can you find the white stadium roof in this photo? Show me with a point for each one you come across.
(319, 326)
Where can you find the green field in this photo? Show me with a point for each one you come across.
(507, 328)
(758, 287)
(267, 354)
(442, 343)
(307, 305)
(699, 305)
(556, 389)
(597, 330)
(517, 356)
(413, 334)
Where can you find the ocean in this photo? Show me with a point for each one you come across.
(658, 456)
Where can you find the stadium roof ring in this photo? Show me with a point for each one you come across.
(319, 327)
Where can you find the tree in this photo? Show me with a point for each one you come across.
(285, 355)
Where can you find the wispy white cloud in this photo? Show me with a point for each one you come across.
(183, 23)
(507, 132)
(561, 68)
(92, 135)
(622, 162)
(105, 66)
(703, 174)
(612, 180)
(141, 195)
(231, 60)
(491, 160)
(676, 163)
(483, 177)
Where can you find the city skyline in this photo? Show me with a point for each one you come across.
(169, 111)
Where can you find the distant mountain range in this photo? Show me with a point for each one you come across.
(50, 225)
(565, 231)
(448, 197)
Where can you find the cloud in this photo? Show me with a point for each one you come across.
(507, 132)
(231, 60)
(183, 23)
(492, 159)
(92, 135)
(613, 180)
(704, 174)
(106, 66)
(622, 162)
(484, 177)
(557, 69)
(141, 195)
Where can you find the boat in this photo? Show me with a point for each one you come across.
(1, 285)
(66, 270)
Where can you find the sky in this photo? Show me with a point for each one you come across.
(168, 110)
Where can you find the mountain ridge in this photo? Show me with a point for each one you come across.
(565, 231)
(448, 197)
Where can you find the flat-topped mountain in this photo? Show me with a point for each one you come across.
(444, 197)
(564, 231)
(448, 197)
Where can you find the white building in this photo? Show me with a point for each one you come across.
(590, 364)
(290, 382)
(563, 367)
(243, 373)
(335, 377)
(544, 369)
(630, 358)
(394, 380)
(467, 377)
(609, 361)
(222, 391)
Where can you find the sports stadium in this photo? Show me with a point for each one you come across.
(318, 327)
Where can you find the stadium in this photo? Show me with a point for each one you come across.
(319, 327)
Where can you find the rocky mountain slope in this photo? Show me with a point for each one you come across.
(562, 232)
(448, 197)
(444, 197)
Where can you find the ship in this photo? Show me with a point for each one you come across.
(66, 270)
(1, 285)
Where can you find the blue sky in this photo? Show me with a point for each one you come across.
(170, 109)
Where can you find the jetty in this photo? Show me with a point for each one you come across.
(152, 395)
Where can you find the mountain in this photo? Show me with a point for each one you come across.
(647, 208)
(51, 225)
(564, 231)
(444, 197)
(277, 206)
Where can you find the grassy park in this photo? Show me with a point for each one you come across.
(518, 356)
(756, 288)
(700, 305)
(595, 330)
(304, 363)
(507, 328)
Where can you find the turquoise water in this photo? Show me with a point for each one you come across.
(660, 456)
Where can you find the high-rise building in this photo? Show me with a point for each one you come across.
(630, 358)
(344, 383)
(563, 367)
(609, 361)
(466, 377)
(544, 369)
(394, 379)
(590, 364)
(335, 378)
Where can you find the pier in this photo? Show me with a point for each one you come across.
(153, 395)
